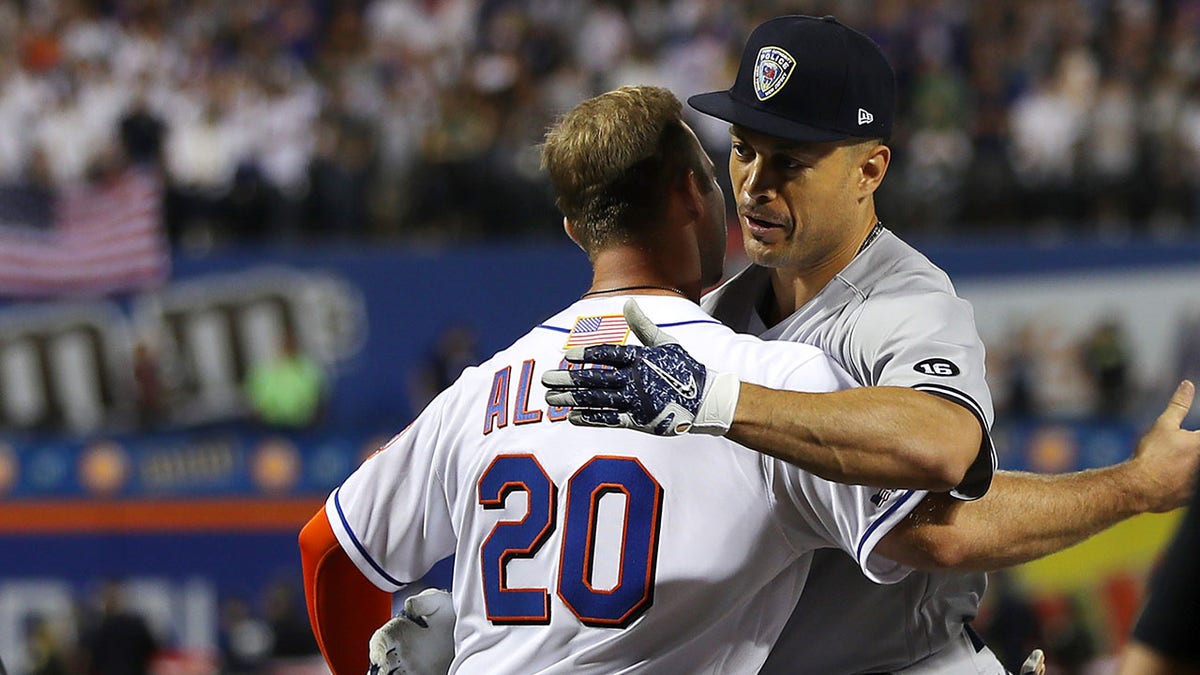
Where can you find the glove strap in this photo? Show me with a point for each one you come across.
(715, 415)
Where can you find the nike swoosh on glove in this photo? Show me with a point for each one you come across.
(659, 388)
(419, 641)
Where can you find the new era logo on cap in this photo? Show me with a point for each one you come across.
(808, 79)
(772, 68)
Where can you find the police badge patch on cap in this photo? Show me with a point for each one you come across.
(772, 69)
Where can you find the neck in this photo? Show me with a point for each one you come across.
(631, 269)
(793, 287)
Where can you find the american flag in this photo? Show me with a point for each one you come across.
(594, 330)
(106, 238)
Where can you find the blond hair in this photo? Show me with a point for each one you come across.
(611, 159)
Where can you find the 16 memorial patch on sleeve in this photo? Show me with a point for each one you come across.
(938, 367)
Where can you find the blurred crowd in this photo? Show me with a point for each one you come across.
(109, 635)
(417, 120)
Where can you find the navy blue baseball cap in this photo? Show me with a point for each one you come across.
(807, 78)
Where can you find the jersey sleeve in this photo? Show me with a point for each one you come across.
(854, 518)
(821, 514)
(929, 342)
(391, 516)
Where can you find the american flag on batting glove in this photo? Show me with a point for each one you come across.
(594, 330)
(106, 237)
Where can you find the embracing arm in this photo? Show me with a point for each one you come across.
(887, 437)
(1026, 516)
(344, 607)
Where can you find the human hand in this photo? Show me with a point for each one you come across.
(419, 641)
(1035, 664)
(1167, 456)
(659, 388)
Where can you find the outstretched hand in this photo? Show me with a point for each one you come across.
(1168, 456)
(659, 388)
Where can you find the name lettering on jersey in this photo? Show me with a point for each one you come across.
(938, 367)
(521, 413)
(496, 413)
(497, 407)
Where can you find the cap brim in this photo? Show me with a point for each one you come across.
(723, 106)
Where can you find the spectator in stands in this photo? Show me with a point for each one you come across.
(288, 390)
(119, 642)
(292, 637)
(47, 654)
(1106, 361)
(1090, 104)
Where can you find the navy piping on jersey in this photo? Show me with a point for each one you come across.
(685, 323)
(358, 545)
(952, 394)
(875, 525)
(955, 396)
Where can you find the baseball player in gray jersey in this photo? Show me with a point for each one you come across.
(810, 109)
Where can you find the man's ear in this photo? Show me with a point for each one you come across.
(693, 195)
(873, 167)
(569, 228)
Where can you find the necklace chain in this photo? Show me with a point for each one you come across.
(635, 288)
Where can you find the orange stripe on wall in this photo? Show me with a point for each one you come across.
(239, 515)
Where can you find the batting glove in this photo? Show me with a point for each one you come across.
(1035, 664)
(420, 641)
(659, 388)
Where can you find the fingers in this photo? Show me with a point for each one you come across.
(646, 331)
(594, 418)
(1180, 404)
(427, 603)
(587, 398)
(586, 377)
(608, 355)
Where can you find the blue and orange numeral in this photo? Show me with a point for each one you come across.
(516, 538)
(617, 607)
(634, 591)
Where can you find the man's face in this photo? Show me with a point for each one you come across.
(797, 203)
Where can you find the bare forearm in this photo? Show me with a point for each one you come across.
(1023, 517)
(879, 436)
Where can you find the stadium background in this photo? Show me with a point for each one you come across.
(187, 186)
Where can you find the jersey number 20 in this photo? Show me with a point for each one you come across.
(616, 607)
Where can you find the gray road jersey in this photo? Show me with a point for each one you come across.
(891, 317)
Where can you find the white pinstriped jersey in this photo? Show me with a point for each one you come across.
(606, 551)
(891, 317)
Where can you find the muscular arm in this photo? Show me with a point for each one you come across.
(344, 607)
(890, 437)
(1026, 516)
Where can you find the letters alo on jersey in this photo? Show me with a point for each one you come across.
(501, 401)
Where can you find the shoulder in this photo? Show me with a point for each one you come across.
(899, 284)
(777, 363)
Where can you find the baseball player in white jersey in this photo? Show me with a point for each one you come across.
(811, 104)
(583, 551)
